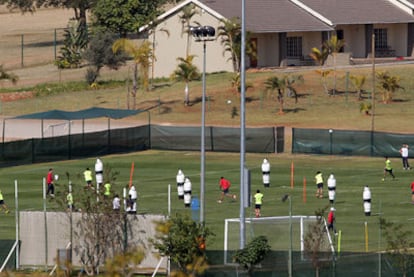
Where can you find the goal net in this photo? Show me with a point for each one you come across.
(277, 231)
(58, 129)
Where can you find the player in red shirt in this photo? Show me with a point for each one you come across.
(49, 181)
(412, 193)
(331, 220)
(225, 187)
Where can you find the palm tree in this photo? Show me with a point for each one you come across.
(358, 82)
(283, 84)
(153, 30)
(230, 34)
(389, 84)
(185, 18)
(320, 56)
(8, 76)
(334, 45)
(142, 56)
(186, 71)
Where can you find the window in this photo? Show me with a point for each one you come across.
(381, 41)
(294, 46)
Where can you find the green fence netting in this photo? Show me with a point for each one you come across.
(348, 142)
(5, 251)
(112, 141)
(330, 264)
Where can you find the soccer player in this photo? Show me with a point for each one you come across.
(388, 168)
(50, 185)
(331, 220)
(319, 184)
(258, 200)
(3, 204)
(404, 156)
(412, 193)
(225, 188)
(88, 177)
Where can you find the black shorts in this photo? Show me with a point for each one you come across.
(320, 185)
(258, 206)
(1, 202)
(225, 191)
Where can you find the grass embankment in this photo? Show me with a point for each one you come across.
(314, 109)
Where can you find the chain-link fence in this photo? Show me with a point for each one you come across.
(30, 49)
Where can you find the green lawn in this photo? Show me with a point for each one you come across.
(155, 170)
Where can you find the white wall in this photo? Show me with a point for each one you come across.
(169, 48)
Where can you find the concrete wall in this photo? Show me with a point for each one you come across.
(33, 237)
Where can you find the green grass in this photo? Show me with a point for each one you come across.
(154, 170)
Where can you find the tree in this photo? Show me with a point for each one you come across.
(125, 16)
(358, 81)
(142, 56)
(398, 245)
(236, 82)
(186, 72)
(100, 54)
(184, 241)
(320, 56)
(4, 75)
(334, 45)
(315, 239)
(230, 37)
(153, 30)
(75, 42)
(389, 85)
(254, 252)
(185, 18)
(80, 7)
(283, 84)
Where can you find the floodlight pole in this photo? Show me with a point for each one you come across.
(289, 197)
(242, 232)
(203, 138)
(203, 34)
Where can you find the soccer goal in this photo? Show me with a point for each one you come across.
(58, 129)
(276, 229)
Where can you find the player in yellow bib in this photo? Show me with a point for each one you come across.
(258, 201)
(319, 184)
(388, 168)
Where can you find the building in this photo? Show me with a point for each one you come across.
(285, 31)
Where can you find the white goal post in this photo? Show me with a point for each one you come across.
(271, 227)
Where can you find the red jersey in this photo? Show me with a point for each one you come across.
(331, 217)
(412, 186)
(224, 183)
(49, 178)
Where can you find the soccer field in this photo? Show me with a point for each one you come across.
(155, 170)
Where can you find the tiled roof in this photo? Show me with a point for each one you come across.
(360, 11)
(264, 16)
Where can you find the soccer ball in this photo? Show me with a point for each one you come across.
(228, 101)
(234, 196)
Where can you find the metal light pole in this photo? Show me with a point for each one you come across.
(288, 197)
(203, 34)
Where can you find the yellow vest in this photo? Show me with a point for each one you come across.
(88, 175)
(258, 198)
(107, 189)
(319, 178)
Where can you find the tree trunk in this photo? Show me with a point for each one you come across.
(135, 86)
(187, 95)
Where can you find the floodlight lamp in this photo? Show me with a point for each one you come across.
(208, 31)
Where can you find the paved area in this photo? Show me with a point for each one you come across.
(19, 129)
